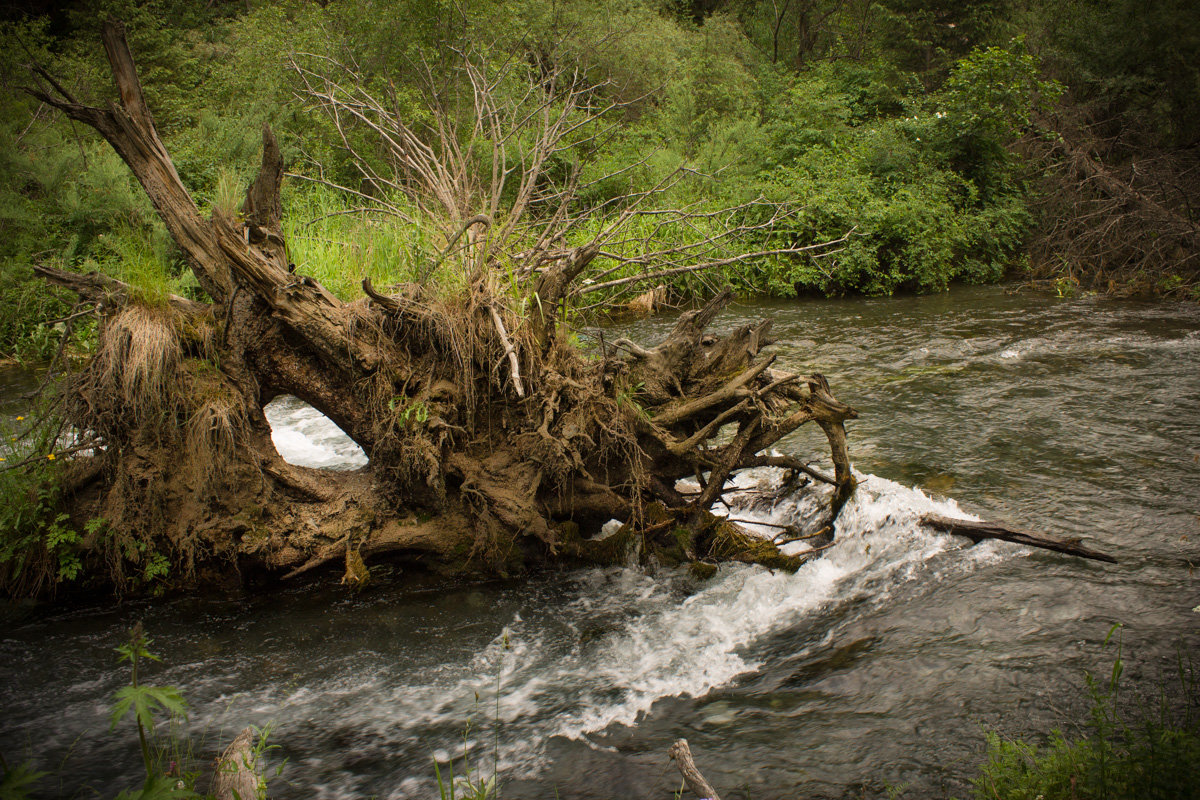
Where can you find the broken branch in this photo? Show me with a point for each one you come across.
(978, 531)
(681, 754)
(509, 350)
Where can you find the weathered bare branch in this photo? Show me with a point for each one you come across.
(130, 129)
(509, 350)
(978, 531)
(681, 754)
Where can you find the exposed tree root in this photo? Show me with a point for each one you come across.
(493, 443)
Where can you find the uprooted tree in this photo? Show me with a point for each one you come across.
(492, 440)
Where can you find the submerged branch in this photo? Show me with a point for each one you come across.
(978, 531)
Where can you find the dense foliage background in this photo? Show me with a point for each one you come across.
(930, 130)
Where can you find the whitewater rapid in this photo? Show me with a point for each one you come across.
(621, 640)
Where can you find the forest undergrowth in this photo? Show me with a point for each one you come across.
(932, 134)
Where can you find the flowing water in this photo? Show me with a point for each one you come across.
(878, 665)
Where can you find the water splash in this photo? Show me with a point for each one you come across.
(603, 655)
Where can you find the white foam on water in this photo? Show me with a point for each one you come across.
(653, 642)
(694, 646)
(307, 438)
(1068, 342)
(663, 644)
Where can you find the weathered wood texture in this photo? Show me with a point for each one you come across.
(238, 775)
(978, 531)
(492, 441)
(696, 782)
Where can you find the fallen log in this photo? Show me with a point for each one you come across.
(978, 531)
(472, 467)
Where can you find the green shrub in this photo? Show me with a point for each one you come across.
(844, 131)
(39, 548)
(1149, 754)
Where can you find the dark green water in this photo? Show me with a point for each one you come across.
(878, 665)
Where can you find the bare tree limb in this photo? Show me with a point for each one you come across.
(509, 350)
(681, 754)
(978, 531)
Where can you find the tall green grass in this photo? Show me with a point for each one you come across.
(146, 259)
(330, 241)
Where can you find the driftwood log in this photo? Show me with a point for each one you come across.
(238, 775)
(978, 531)
(494, 443)
(681, 754)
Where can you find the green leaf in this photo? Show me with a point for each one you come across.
(145, 701)
(169, 699)
(17, 781)
(121, 707)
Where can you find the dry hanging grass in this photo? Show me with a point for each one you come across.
(138, 361)
(211, 437)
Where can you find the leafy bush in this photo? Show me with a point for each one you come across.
(39, 548)
(915, 162)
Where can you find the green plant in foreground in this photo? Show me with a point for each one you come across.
(145, 701)
(17, 782)
(1156, 755)
(20, 782)
(472, 785)
(168, 765)
(468, 786)
(39, 549)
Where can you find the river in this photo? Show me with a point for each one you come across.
(879, 665)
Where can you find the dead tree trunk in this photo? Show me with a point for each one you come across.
(238, 775)
(492, 442)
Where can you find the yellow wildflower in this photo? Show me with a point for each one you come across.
(20, 418)
(50, 456)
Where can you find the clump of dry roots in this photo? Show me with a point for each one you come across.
(494, 443)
